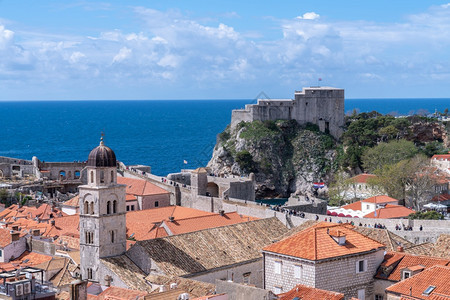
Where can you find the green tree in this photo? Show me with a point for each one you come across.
(4, 194)
(387, 153)
(339, 189)
(429, 215)
(245, 161)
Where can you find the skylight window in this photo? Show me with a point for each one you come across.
(428, 291)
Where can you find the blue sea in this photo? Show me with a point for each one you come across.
(162, 134)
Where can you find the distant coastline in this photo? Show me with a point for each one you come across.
(159, 133)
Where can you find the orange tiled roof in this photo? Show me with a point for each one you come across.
(380, 199)
(74, 202)
(33, 259)
(362, 178)
(441, 197)
(5, 237)
(315, 243)
(179, 226)
(437, 276)
(441, 156)
(390, 212)
(118, 293)
(309, 293)
(143, 222)
(354, 206)
(130, 197)
(399, 260)
(140, 187)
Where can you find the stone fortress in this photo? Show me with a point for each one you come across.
(323, 106)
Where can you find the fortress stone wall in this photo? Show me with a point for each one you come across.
(323, 106)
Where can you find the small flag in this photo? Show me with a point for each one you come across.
(185, 162)
(318, 185)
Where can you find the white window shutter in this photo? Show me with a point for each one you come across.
(365, 265)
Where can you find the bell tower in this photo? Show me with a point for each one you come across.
(102, 213)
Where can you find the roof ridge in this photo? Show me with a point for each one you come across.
(204, 216)
(315, 243)
(207, 229)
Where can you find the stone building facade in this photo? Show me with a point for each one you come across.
(323, 106)
(332, 257)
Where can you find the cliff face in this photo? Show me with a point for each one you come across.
(284, 156)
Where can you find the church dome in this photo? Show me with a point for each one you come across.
(101, 156)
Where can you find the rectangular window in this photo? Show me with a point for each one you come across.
(156, 203)
(132, 207)
(367, 206)
(1, 253)
(246, 277)
(277, 289)
(362, 294)
(297, 271)
(128, 208)
(361, 266)
(379, 297)
(277, 267)
(406, 274)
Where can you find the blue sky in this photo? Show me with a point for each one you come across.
(170, 49)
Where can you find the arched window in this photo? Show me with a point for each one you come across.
(114, 206)
(108, 207)
(86, 207)
(102, 177)
(112, 176)
(112, 236)
(76, 175)
(86, 237)
(92, 208)
(92, 176)
(89, 273)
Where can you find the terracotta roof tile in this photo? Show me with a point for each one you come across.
(441, 156)
(353, 206)
(362, 178)
(441, 197)
(74, 202)
(179, 226)
(193, 287)
(309, 293)
(212, 248)
(140, 187)
(315, 243)
(379, 199)
(437, 276)
(401, 260)
(5, 237)
(118, 293)
(143, 222)
(130, 197)
(390, 212)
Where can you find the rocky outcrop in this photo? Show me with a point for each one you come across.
(285, 157)
(425, 132)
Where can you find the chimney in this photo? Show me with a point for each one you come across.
(108, 280)
(15, 227)
(399, 248)
(222, 212)
(15, 235)
(173, 285)
(52, 222)
(36, 232)
(171, 218)
(338, 236)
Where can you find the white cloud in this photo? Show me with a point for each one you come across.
(309, 16)
(172, 48)
(123, 54)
